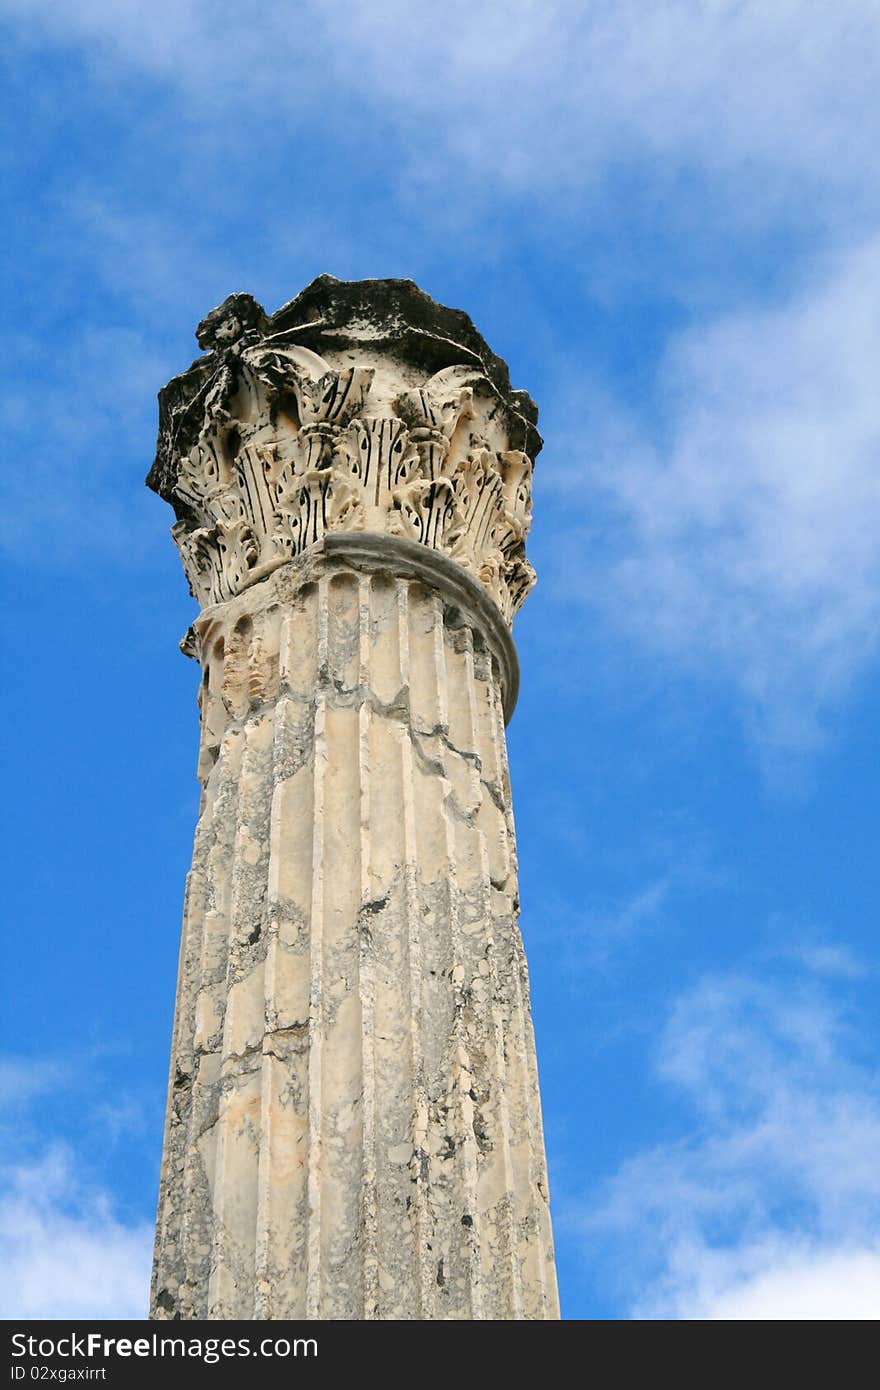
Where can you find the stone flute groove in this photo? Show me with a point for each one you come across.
(353, 1127)
(352, 1010)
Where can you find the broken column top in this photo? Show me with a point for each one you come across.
(360, 405)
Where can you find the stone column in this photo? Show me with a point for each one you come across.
(353, 1125)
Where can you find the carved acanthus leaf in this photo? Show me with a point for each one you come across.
(288, 446)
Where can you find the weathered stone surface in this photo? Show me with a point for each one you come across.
(358, 406)
(353, 1125)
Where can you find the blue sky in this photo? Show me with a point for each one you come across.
(665, 218)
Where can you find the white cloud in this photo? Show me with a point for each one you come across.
(526, 92)
(23, 1078)
(596, 934)
(72, 491)
(63, 1254)
(771, 1207)
(832, 961)
(746, 535)
(843, 1285)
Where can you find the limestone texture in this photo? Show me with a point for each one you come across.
(353, 1127)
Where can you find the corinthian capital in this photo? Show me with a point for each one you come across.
(358, 406)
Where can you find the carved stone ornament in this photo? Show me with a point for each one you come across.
(359, 406)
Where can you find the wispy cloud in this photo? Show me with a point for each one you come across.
(771, 1207)
(599, 936)
(63, 1252)
(787, 1283)
(525, 92)
(66, 1248)
(24, 1078)
(72, 490)
(744, 519)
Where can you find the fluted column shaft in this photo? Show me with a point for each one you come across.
(353, 1126)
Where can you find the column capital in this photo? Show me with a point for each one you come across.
(359, 407)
